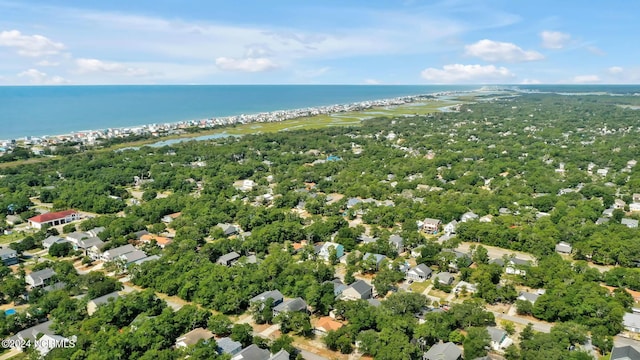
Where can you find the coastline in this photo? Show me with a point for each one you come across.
(93, 137)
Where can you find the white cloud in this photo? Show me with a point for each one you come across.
(530, 82)
(459, 73)
(490, 50)
(47, 63)
(38, 77)
(554, 39)
(245, 64)
(615, 70)
(595, 50)
(30, 45)
(371, 82)
(586, 79)
(94, 65)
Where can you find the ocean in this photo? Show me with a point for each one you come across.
(54, 110)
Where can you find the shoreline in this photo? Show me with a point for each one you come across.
(91, 137)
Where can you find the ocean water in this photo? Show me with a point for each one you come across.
(55, 110)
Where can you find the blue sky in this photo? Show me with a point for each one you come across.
(318, 42)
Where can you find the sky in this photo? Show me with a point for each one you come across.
(89, 42)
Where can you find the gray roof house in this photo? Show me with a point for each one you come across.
(40, 278)
(446, 351)
(280, 355)
(228, 346)
(228, 229)
(468, 216)
(193, 336)
(625, 353)
(252, 352)
(499, 338)
(115, 253)
(228, 259)
(8, 256)
(563, 248)
(397, 242)
(74, 237)
(630, 223)
(358, 290)
(32, 333)
(378, 258)
(92, 305)
(445, 278)
(530, 297)
(419, 273)
(95, 231)
(46, 243)
(292, 305)
(631, 322)
(276, 295)
(132, 257)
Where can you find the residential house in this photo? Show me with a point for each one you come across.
(486, 219)
(624, 353)
(145, 259)
(276, 295)
(95, 231)
(417, 251)
(192, 337)
(167, 219)
(564, 248)
(244, 185)
(602, 220)
(13, 220)
(291, 305)
(132, 257)
(160, 241)
(358, 290)
(377, 258)
(499, 338)
(113, 254)
(468, 287)
(46, 243)
(228, 229)
(514, 265)
(326, 324)
(365, 239)
(419, 273)
(468, 216)
(445, 278)
(636, 197)
(634, 207)
(31, 334)
(431, 226)
(527, 296)
(397, 242)
(324, 251)
(92, 305)
(48, 342)
(450, 228)
(443, 351)
(607, 212)
(91, 247)
(630, 223)
(453, 265)
(619, 204)
(338, 286)
(8, 256)
(280, 355)
(228, 346)
(76, 236)
(631, 322)
(53, 218)
(603, 172)
(228, 259)
(41, 278)
(252, 352)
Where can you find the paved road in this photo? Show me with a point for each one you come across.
(537, 325)
(311, 356)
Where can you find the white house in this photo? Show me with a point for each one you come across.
(419, 273)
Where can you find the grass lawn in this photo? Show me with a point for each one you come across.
(419, 287)
(7, 239)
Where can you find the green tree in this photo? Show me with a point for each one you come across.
(476, 343)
